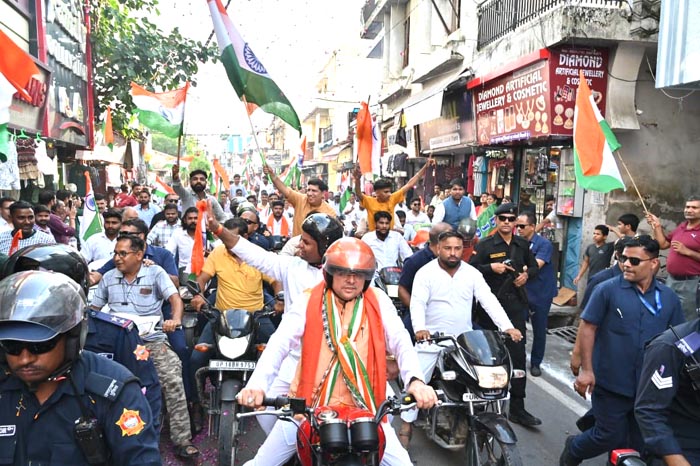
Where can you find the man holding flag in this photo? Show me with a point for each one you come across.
(196, 192)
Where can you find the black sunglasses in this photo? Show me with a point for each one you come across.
(522, 225)
(506, 218)
(130, 234)
(250, 222)
(15, 348)
(635, 261)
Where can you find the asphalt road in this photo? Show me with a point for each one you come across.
(549, 397)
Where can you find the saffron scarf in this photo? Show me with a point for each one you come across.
(284, 228)
(14, 246)
(197, 261)
(366, 380)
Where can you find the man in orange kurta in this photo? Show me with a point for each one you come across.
(346, 330)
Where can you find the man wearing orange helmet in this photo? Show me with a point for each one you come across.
(343, 303)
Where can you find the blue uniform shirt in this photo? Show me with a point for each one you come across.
(543, 287)
(412, 264)
(600, 277)
(624, 327)
(118, 339)
(43, 434)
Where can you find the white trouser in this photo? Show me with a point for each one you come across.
(280, 386)
(280, 446)
(427, 357)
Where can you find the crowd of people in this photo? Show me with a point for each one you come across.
(316, 255)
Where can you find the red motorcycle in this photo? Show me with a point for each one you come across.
(336, 435)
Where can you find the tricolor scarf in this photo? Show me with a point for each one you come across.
(366, 381)
(197, 261)
(14, 246)
(284, 228)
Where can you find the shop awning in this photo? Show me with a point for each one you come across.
(426, 105)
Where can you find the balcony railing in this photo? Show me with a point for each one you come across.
(498, 18)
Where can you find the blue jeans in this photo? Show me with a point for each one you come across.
(179, 345)
(615, 426)
(538, 319)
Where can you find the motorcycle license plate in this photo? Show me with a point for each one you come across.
(466, 397)
(231, 365)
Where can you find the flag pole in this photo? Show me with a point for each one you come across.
(255, 136)
(624, 165)
(179, 145)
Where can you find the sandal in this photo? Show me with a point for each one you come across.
(405, 434)
(187, 451)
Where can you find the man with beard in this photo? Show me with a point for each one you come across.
(161, 233)
(57, 225)
(146, 208)
(23, 233)
(277, 224)
(196, 192)
(456, 207)
(441, 301)
(101, 203)
(42, 215)
(181, 243)
(387, 245)
(264, 207)
(100, 246)
(169, 199)
(507, 264)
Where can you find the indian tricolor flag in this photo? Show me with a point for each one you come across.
(91, 221)
(594, 144)
(369, 144)
(162, 188)
(16, 70)
(161, 111)
(247, 75)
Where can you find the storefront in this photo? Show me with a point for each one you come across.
(525, 120)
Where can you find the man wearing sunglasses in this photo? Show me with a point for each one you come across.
(507, 264)
(623, 314)
(59, 402)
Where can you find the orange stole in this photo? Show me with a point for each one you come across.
(284, 230)
(314, 338)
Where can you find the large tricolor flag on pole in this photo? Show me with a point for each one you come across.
(594, 144)
(369, 144)
(161, 111)
(247, 75)
(91, 221)
(162, 188)
(16, 70)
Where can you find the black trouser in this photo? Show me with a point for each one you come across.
(516, 311)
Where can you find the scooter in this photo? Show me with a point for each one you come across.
(342, 435)
(234, 358)
(472, 376)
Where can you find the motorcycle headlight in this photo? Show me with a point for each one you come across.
(234, 348)
(492, 376)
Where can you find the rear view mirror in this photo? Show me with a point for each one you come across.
(193, 287)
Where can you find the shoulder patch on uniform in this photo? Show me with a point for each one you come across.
(497, 255)
(104, 386)
(112, 319)
(662, 382)
(130, 423)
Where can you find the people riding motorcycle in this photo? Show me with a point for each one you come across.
(113, 338)
(48, 379)
(331, 371)
(296, 273)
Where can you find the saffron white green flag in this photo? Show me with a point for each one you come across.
(91, 221)
(161, 111)
(247, 75)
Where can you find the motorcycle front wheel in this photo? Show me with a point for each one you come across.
(483, 449)
(228, 433)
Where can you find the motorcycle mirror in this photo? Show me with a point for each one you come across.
(518, 374)
(193, 287)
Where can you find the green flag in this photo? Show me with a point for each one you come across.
(486, 221)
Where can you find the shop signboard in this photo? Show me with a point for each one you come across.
(455, 128)
(538, 99)
(29, 114)
(66, 41)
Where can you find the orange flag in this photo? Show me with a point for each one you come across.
(364, 139)
(16, 65)
(222, 173)
(14, 246)
(108, 133)
(197, 261)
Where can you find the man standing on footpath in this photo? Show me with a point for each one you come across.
(622, 315)
(683, 263)
(540, 290)
(507, 264)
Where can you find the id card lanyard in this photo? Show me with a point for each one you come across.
(657, 296)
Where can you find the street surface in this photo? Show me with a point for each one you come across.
(550, 397)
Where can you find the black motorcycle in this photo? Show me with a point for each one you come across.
(472, 377)
(234, 357)
(387, 280)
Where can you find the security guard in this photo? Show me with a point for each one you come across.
(59, 404)
(667, 407)
(109, 336)
(507, 264)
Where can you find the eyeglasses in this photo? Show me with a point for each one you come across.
(171, 200)
(15, 348)
(521, 225)
(635, 261)
(123, 254)
(250, 222)
(129, 234)
(506, 218)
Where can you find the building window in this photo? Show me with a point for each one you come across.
(448, 13)
(406, 41)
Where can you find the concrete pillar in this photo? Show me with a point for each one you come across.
(386, 54)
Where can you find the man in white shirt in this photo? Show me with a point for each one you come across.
(388, 245)
(351, 213)
(415, 217)
(163, 230)
(441, 301)
(101, 246)
(181, 243)
(5, 219)
(277, 224)
(236, 185)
